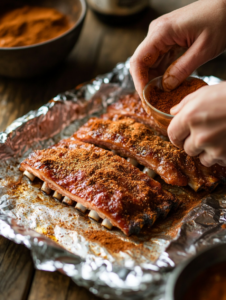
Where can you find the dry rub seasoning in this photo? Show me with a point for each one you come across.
(30, 25)
(164, 101)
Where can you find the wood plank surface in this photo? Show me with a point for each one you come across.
(78, 293)
(16, 270)
(48, 286)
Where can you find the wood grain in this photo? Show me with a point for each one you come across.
(78, 293)
(56, 286)
(49, 286)
(16, 270)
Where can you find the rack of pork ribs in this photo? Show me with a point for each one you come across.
(117, 186)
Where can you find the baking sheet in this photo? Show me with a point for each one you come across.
(110, 264)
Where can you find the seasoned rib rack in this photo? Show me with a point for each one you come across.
(219, 172)
(136, 141)
(131, 106)
(102, 182)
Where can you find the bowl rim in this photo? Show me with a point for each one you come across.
(149, 104)
(176, 273)
(168, 116)
(80, 19)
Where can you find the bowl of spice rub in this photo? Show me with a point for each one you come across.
(37, 35)
(158, 102)
(203, 277)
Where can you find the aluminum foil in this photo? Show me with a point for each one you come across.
(108, 263)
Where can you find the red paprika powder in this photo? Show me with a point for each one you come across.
(29, 25)
(164, 101)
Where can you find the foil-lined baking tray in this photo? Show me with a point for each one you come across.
(108, 263)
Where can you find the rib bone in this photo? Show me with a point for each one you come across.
(132, 161)
(57, 195)
(106, 223)
(80, 207)
(94, 215)
(45, 188)
(68, 201)
(30, 176)
(149, 172)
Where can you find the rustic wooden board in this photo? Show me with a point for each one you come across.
(48, 286)
(16, 270)
(77, 293)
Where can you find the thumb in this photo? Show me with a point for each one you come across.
(177, 108)
(180, 69)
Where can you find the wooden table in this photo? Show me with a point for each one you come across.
(99, 49)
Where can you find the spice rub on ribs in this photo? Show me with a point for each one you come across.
(131, 106)
(136, 141)
(102, 182)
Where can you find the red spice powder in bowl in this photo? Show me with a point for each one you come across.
(37, 36)
(158, 102)
(30, 25)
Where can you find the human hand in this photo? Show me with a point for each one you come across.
(198, 27)
(199, 125)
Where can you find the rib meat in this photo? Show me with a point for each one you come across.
(131, 106)
(103, 182)
(135, 140)
(219, 172)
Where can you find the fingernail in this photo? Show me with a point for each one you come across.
(169, 82)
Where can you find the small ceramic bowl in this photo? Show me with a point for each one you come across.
(184, 275)
(33, 60)
(162, 120)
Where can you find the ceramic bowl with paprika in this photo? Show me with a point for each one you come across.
(34, 60)
(162, 120)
